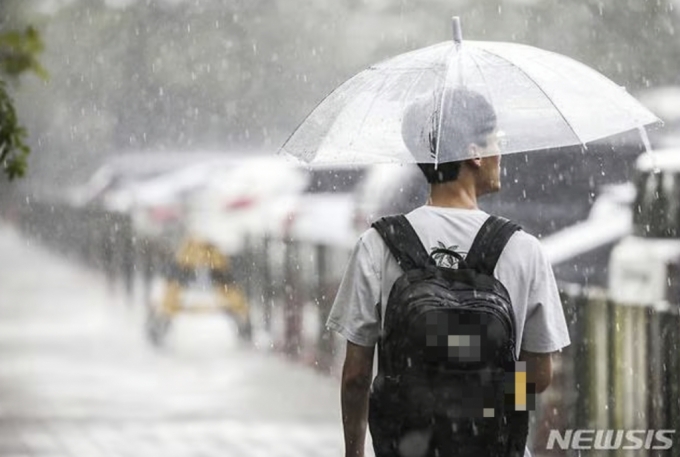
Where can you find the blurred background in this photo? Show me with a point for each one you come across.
(189, 75)
(152, 193)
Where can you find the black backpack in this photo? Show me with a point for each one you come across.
(446, 355)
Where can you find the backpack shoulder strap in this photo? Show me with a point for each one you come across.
(489, 243)
(403, 242)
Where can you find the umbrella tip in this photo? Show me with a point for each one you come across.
(457, 30)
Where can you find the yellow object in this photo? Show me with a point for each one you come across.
(171, 298)
(520, 388)
(197, 253)
(200, 255)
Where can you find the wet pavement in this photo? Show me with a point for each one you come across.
(78, 378)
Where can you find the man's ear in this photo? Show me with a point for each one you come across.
(474, 153)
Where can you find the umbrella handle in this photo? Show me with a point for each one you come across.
(457, 31)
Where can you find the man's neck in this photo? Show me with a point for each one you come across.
(453, 195)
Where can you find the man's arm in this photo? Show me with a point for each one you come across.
(539, 369)
(357, 372)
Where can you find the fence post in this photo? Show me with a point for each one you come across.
(267, 284)
(106, 251)
(128, 255)
(324, 301)
(630, 370)
(670, 337)
(655, 367)
(292, 306)
(671, 386)
(594, 403)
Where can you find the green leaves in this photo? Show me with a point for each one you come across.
(18, 51)
(13, 149)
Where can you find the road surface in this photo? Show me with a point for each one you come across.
(78, 379)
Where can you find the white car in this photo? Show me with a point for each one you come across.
(110, 184)
(276, 197)
(157, 205)
(241, 202)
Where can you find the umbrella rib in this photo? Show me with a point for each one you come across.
(447, 58)
(479, 67)
(542, 91)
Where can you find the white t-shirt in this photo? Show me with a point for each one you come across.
(522, 268)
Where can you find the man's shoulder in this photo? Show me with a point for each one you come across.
(370, 241)
(369, 236)
(525, 239)
(523, 247)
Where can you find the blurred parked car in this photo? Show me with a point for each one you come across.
(110, 185)
(276, 197)
(239, 202)
(157, 205)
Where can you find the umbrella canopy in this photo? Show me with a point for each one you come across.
(395, 110)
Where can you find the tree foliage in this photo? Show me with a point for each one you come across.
(18, 54)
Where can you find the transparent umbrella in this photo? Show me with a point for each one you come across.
(394, 110)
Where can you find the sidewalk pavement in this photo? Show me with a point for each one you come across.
(78, 379)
